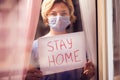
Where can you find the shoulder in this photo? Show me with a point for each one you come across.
(35, 43)
(34, 54)
(35, 47)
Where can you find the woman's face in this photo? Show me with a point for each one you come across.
(59, 18)
(59, 9)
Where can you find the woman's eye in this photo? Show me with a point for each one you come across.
(63, 14)
(52, 14)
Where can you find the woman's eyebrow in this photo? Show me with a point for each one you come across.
(64, 10)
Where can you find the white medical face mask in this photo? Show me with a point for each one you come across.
(59, 23)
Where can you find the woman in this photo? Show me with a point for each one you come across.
(58, 15)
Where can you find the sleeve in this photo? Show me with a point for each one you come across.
(34, 55)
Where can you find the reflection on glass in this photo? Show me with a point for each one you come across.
(116, 34)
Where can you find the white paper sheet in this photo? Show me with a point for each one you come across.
(62, 52)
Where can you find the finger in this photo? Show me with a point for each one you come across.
(38, 74)
(89, 73)
(89, 65)
(86, 71)
(34, 71)
(32, 78)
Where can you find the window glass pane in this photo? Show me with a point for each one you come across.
(85, 12)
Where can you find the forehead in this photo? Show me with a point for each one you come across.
(59, 7)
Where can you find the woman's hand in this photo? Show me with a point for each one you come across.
(89, 69)
(34, 74)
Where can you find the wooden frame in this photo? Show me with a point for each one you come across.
(105, 39)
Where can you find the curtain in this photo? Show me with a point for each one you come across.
(88, 14)
(18, 21)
